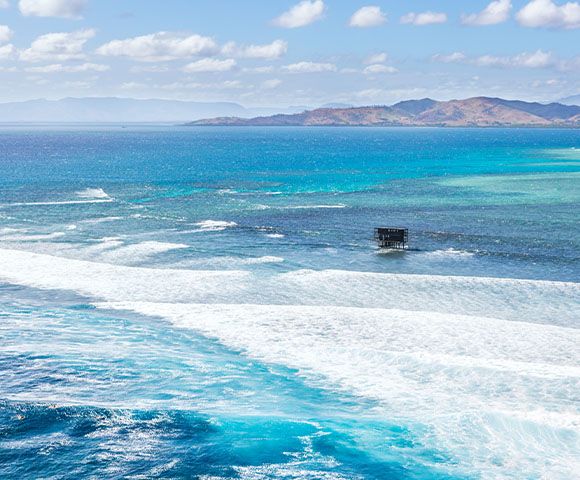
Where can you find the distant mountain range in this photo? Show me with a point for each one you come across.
(573, 100)
(480, 111)
(116, 110)
(472, 112)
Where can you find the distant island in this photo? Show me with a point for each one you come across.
(472, 112)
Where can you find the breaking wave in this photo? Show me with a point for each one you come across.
(483, 369)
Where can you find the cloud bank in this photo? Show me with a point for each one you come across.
(160, 47)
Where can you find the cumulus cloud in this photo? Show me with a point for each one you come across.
(210, 65)
(425, 18)
(52, 8)
(58, 68)
(5, 34)
(455, 57)
(376, 58)
(160, 47)
(228, 84)
(271, 51)
(538, 59)
(258, 70)
(150, 69)
(545, 13)
(494, 13)
(377, 95)
(59, 47)
(368, 17)
(378, 68)
(6, 52)
(309, 67)
(301, 14)
(132, 85)
(269, 84)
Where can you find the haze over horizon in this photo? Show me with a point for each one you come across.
(289, 53)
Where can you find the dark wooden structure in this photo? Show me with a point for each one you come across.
(392, 237)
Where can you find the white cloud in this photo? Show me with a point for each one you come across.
(150, 68)
(269, 84)
(378, 68)
(5, 34)
(229, 84)
(301, 14)
(58, 46)
(78, 85)
(52, 8)
(496, 12)
(377, 95)
(6, 52)
(538, 59)
(132, 85)
(210, 65)
(456, 57)
(270, 51)
(310, 67)
(425, 18)
(368, 17)
(545, 13)
(376, 58)
(4, 4)
(58, 67)
(258, 70)
(160, 47)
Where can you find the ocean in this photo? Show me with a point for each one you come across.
(209, 303)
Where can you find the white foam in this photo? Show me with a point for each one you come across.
(275, 235)
(307, 207)
(513, 299)
(33, 237)
(120, 283)
(510, 299)
(449, 252)
(101, 220)
(497, 396)
(468, 368)
(257, 260)
(93, 193)
(215, 225)
(137, 252)
(66, 202)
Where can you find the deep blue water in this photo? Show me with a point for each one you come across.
(209, 303)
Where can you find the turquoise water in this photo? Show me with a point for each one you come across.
(209, 303)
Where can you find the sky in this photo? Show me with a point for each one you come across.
(289, 52)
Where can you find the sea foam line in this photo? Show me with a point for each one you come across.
(66, 202)
(457, 378)
(511, 299)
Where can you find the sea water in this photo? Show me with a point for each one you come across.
(209, 303)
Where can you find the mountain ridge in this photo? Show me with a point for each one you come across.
(120, 110)
(471, 112)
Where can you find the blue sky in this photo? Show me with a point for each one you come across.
(282, 53)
